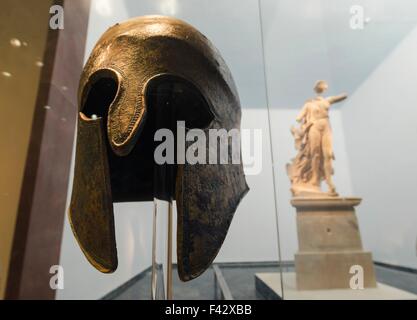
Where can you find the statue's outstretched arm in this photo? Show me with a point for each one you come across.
(335, 99)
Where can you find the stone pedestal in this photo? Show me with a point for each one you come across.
(271, 286)
(329, 244)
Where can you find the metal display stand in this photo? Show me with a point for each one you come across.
(164, 181)
(161, 287)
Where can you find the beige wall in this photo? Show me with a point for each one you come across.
(27, 21)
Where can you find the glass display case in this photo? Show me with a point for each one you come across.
(355, 237)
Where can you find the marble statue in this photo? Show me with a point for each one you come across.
(313, 141)
(329, 241)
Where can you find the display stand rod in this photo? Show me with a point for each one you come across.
(161, 280)
(154, 278)
(169, 253)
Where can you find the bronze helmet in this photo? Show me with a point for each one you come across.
(142, 75)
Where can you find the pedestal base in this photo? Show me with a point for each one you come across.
(329, 244)
(269, 286)
(330, 270)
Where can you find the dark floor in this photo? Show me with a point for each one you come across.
(202, 288)
(241, 281)
(400, 279)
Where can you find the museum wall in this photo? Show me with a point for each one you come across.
(293, 65)
(252, 235)
(380, 118)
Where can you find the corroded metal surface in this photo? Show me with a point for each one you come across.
(114, 160)
(91, 211)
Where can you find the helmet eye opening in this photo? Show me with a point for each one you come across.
(99, 93)
(100, 96)
(184, 98)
